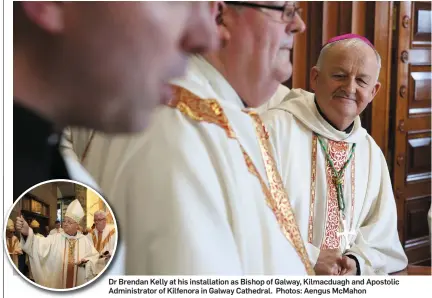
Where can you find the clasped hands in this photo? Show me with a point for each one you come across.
(332, 262)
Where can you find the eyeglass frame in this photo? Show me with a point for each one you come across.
(296, 10)
(69, 222)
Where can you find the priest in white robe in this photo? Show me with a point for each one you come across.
(198, 192)
(103, 237)
(61, 261)
(335, 174)
(13, 243)
(58, 229)
(34, 224)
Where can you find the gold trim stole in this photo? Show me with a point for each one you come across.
(102, 242)
(210, 111)
(11, 244)
(69, 263)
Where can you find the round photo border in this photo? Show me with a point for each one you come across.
(54, 289)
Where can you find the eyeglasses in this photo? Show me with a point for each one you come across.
(68, 222)
(288, 10)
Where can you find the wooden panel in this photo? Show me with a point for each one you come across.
(418, 157)
(300, 64)
(308, 45)
(345, 12)
(418, 269)
(330, 19)
(412, 132)
(418, 254)
(427, 263)
(420, 90)
(381, 104)
(417, 189)
(416, 224)
(418, 122)
(420, 57)
(316, 33)
(358, 23)
(421, 83)
(422, 20)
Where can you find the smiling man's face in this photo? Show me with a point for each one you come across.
(346, 81)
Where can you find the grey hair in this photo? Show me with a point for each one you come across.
(352, 42)
(100, 213)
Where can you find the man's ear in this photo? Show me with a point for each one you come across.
(220, 10)
(48, 15)
(313, 77)
(375, 90)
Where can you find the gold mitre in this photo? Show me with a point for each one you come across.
(75, 211)
(10, 225)
(34, 224)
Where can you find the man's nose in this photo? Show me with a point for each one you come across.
(201, 33)
(296, 26)
(349, 86)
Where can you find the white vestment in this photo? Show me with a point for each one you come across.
(106, 242)
(191, 194)
(30, 274)
(14, 248)
(52, 259)
(281, 93)
(370, 210)
(78, 173)
(56, 231)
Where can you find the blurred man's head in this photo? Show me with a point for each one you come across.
(57, 224)
(9, 233)
(10, 228)
(100, 220)
(70, 226)
(34, 224)
(104, 65)
(345, 79)
(257, 39)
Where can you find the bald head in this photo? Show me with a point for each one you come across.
(352, 45)
(345, 80)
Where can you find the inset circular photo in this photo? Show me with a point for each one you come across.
(61, 235)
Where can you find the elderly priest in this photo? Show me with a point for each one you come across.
(64, 260)
(335, 174)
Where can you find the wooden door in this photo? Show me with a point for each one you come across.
(411, 126)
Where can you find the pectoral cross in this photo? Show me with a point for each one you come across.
(345, 233)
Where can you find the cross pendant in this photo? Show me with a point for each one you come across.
(345, 233)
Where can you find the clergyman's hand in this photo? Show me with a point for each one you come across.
(82, 263)
(328, 262)
(22, 226)
(348, 265)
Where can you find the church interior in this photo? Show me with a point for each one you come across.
(399, 118)
(46, 205)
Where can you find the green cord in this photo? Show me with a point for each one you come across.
(337, 175)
